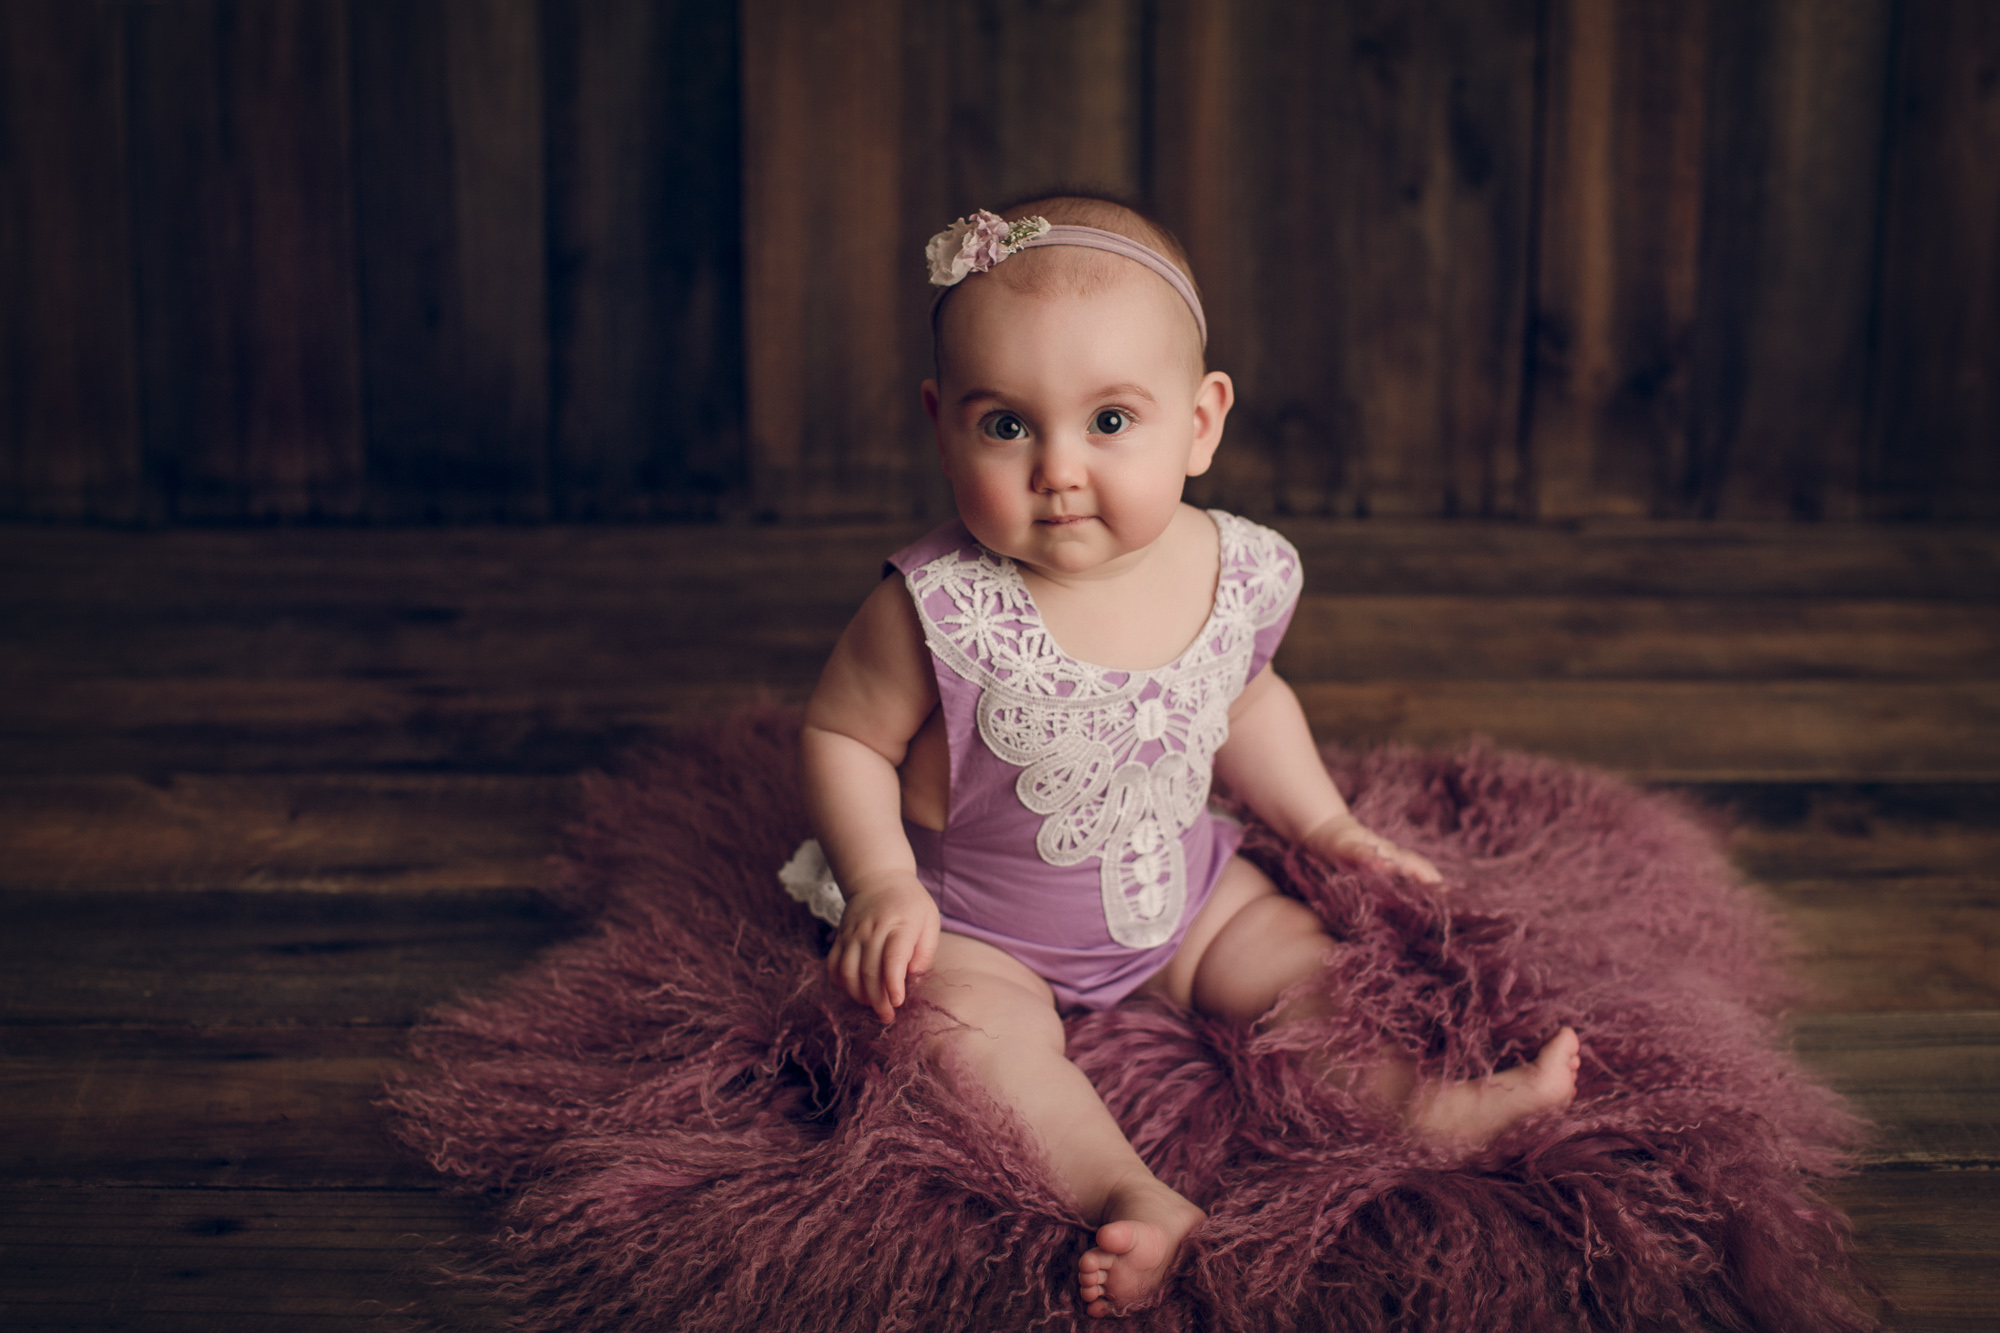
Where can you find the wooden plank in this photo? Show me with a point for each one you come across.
(1931, 451)
(821, 158)
(223, 1260)
(1931, 1239)
(1617, 256)
(295, 1107)
(188, 244)
(1365, 235)
(1689, 731)
(161, 1260)
(465, 639)
(50, 570)
(450, 203)
(1684, 731)
(1437, 187)
(288, 115)
(1901, 943)
(239, 1107)
(1929, 1081)
(412, 312)
(1862, 832)
(69, 401)
(1788, 245)
(316, 833)
(1634, 638)
(644, 233)
(245, 726)
(493, 86)
(259, 958)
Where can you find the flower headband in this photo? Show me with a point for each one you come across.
(980, 240)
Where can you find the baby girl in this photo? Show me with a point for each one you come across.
(1008, 758)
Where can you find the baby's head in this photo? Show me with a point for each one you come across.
(1053, 271)
(1071, 401)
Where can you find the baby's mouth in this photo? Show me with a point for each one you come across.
(1065, 520)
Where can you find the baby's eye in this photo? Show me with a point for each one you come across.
(1005, 426)
(1109, 421)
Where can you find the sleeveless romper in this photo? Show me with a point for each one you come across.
(1078, 836)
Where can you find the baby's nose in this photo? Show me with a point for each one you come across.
(1062, 466)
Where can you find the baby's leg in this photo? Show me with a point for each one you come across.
(1012, 1042)
(1250, 944)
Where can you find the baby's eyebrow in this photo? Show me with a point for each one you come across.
(971, 396)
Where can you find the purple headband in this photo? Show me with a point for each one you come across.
(980, 240)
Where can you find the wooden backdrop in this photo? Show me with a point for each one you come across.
(423, 260)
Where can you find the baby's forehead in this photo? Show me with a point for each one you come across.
(1068, 281)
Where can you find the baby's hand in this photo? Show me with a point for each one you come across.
(1345, 838)
(888, 937)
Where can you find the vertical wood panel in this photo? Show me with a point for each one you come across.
(1619, 256)
(1788, 256)
(450, 203)
(69, 416)
(412, 312)
(1365, 233)
(822, 177)
(646, 393)
(1934, 450)
(287, 79)
(189, 249)
(493, 82)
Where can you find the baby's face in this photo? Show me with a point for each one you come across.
(1068, 424)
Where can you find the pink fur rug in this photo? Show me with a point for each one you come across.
(695, 1133)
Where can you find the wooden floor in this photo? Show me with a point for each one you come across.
(265, 796)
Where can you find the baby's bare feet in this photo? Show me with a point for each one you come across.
(1135, 1247)
(1475, 1112)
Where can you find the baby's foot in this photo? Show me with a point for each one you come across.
(1475, 1112)
(1135, 1248)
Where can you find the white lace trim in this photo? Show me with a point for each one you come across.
(1073, 728)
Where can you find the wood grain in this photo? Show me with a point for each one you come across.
(1618, 256)
(228, 1260)
(299, 393)
(1689, 731)
(450, 201)
(1929, 1237)
(1794, 172)
(645, 295)
(821, 158)
(225, 1107)
(374, 957)
(404, 834)
(1930, 1082)
(69, 390)
(1897, 943)
(1930, 452)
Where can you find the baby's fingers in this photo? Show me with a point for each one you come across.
(873, 969)
(844, 965)
(1418, 866)
(896, 966)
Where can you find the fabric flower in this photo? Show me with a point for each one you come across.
(975, 243)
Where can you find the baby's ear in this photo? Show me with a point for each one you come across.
(930, 393)
(1213, 398)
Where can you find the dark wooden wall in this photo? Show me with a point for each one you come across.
(450, 260)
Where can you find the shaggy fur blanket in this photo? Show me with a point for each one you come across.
(695, 1132)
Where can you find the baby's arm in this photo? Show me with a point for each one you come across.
(875, 693)
(1270, 764)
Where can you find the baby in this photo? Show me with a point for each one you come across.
(1008, 757)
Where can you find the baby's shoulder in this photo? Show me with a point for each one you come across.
(1250, 550)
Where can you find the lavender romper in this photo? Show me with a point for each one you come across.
(1078, 837)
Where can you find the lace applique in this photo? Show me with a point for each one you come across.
(1075, 729)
